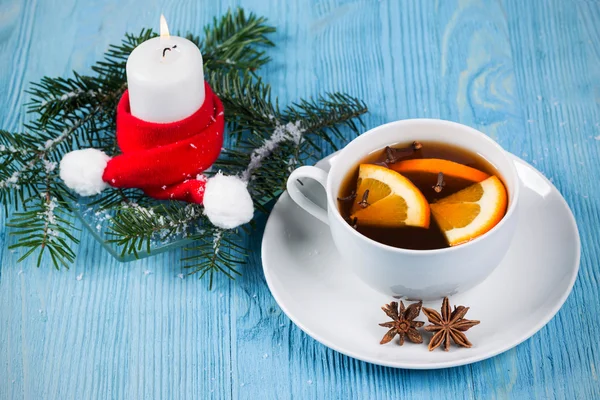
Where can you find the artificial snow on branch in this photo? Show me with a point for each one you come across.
(291, 131)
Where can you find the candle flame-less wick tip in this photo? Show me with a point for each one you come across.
(164, 28)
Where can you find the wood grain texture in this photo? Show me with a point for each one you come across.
(524, 72)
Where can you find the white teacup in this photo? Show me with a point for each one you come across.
(414, 274)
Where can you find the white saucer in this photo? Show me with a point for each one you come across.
(308, 281)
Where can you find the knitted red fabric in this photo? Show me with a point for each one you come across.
(164, 160)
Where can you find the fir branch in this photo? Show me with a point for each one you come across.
(250, 109)
(247, 101)
(134, 227)
(328, 114)
(235, 42)
(72, 113)
(42, 225)
(79, 112)
(233, 38)
(14, 156)
(114, 198)
(63, 110)
(45, 227)
(115, 59)
(55, 96)
(255, 119)
(218, 252)
(24, 169)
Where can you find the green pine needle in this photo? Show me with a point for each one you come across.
(79, 112)
(134, 228)
(216, 251)
(46, 228)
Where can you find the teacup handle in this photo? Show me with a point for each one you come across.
(299, 198)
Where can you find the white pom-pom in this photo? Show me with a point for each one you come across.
(227, 203)
(82, 170)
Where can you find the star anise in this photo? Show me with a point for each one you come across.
(449, 325)
(402, 323)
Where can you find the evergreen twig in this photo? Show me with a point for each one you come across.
(216, 251)
(135, 227)
(46, 227)
(236, 41)
(79, 112)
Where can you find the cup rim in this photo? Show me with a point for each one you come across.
(509, 212)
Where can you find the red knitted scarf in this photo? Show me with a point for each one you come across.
(165, 160)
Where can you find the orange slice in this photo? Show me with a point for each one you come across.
(393, 200)
(471, 212)
(423, 172)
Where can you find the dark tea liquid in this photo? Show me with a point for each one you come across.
(411, 237)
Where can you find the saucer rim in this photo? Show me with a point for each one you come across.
(444, 364)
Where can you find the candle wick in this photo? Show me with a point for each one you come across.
(169, 49)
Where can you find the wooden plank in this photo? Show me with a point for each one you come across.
(523, 72)
(555, 46)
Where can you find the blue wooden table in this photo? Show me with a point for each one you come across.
(525, 72)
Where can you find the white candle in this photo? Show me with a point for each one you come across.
(165, 78)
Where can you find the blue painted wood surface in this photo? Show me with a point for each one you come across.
(525, 72)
